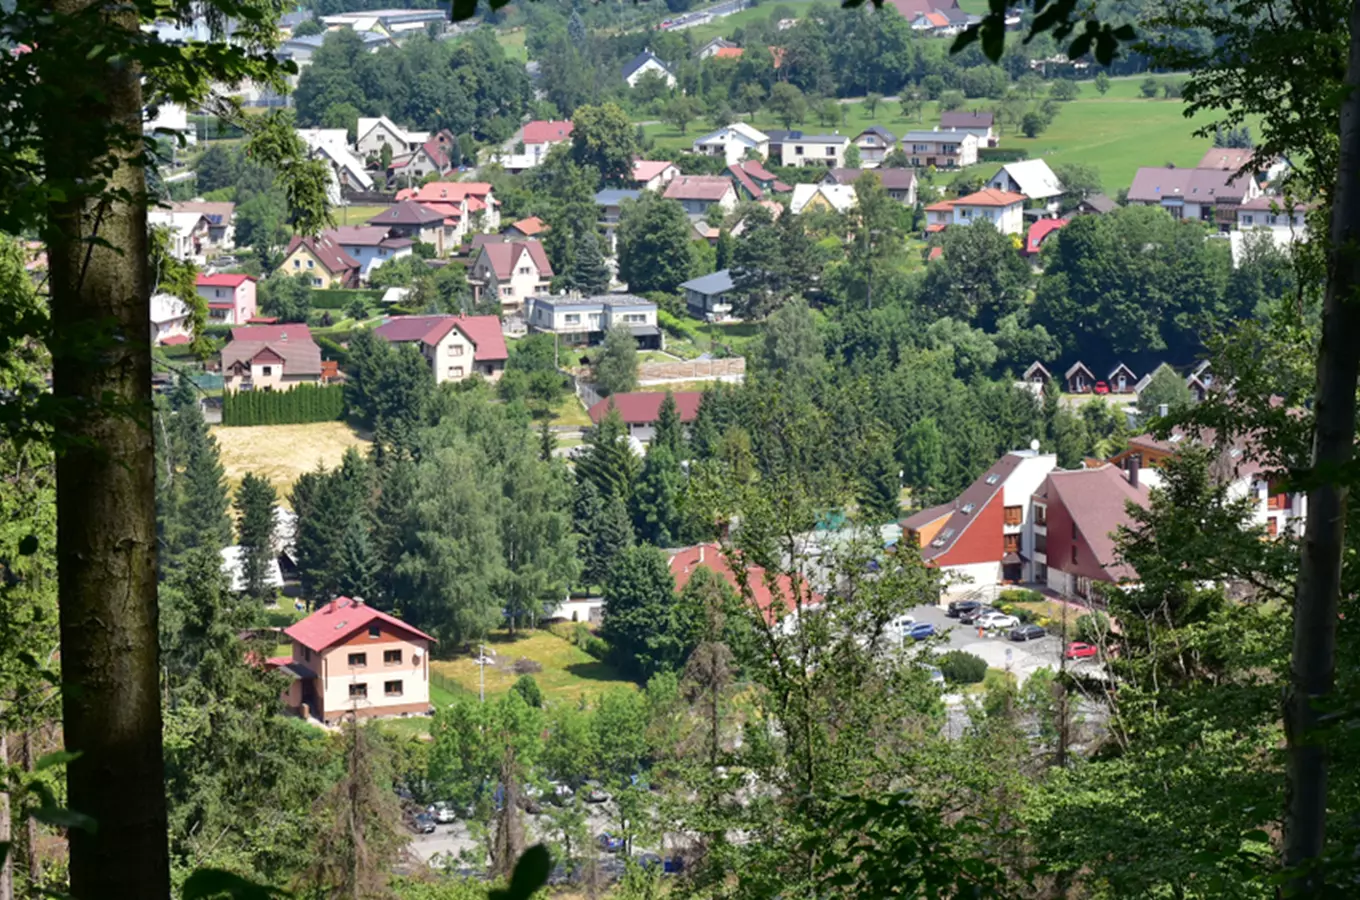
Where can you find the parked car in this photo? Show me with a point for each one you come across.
(971, 616)
(936, 676)
(610, 843)
(443, 812)
(559, 793)
(958, 607)
(593, 793)
(900, 627)
(1102, 388)
(1080, 650)
(998, 620)
(1026, 633)
(921, 631)
(423, 823)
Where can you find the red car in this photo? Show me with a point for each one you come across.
(1079, 650)
(1102, 387)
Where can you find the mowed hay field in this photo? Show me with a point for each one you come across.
(568, 672)
(283, 452)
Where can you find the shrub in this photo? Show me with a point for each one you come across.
(1091, 627)
(526, 666)
(527, 687)
(304, 403)
(1024, 615)
(584, 638)
(1020, 595)
(961, 667)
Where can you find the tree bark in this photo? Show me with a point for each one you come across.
(1315, 604)
(6, 824)
(101, 366)
(31, 824)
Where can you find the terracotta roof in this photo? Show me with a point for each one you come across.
(541, 132)
(991, 197)
(1041, 229)
(332, 257)
(938, 20)
(698, 187)
(176, 340)
(1230, 158)
(407, 212)
(445, 191)
(1095, 501)
(685, 562)
(968, 504)
(1276, 204)
(530, 226)
(290, 344)
(941, 206)
(743, 179)
(488, 340)
(965, 119)
(935, 229)
(729, 53)
(934, 254)
(337, 620)
(643, 407)
(222, 279)
(647, 169)
(504, 256)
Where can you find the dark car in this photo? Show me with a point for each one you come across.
(610, 843)
(1026, 633)
(958, 607)
(971, 617)
(423, 823)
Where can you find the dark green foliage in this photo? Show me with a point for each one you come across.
(527, 687)
(616, 362)
(587, 271)
(961, 667)
(389, 389)
(1092, 628)
(201, 510)
(255, 500)
(881, 486)
(669, 432)
(304, 403)
(643, 621)
(326, 502)
(654, 237)
(1166, 389)
(656, 497)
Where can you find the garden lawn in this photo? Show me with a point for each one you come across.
(568, 672)
(570, 411)
(283, 452)
(356, 215)
(512, 42)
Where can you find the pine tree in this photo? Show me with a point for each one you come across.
(547, 441)
(656, 511)
(608, 460)
(587, 509)
(576, 30)
(613, 533)
(203, 500)
(881, 489)
(255, 502)
(358, 572)
(725, 248)
(589, 273)
(184, 394)
(669, 432)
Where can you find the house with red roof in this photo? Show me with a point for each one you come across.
(270, 358)
(640, 410)
(1005, 210)
(230, 297)
(431, 157)
(1075, 517)
(408, 218)
(323, 261)
(531, 227)
(653, 174)
(778, 599)
(456, 347)
(351, 659)
(755, 182)
(512, 272)
(982, 537)
(534, 142)
(697, 193)
(468, 207)
(1040, 232)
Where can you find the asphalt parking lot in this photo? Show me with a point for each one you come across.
(1020, 657)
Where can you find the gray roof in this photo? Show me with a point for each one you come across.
(715, 283)
(615, 196)
(926, 136)
(880, 131)
(1151, 184)
(1100, 203)
(817, 138)
(640, 60)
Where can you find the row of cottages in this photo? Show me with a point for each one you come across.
(1078, 379)
(351, 659)
(456, 347)
(584, 320)
(640, 410)
(512, 272)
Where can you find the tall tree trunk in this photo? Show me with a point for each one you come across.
(31, 824)
(1315, 605)
(6, 824)
(106, 533)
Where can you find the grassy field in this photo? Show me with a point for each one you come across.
(1116, 133)
(283, 452)
(356, 215)
(513, 44)
(570, 411)
(725, 26)
(568, 672)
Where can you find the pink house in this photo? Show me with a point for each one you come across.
(231, 298)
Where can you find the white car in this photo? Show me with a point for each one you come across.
(443, 812)
(899, 626)
(998, 620)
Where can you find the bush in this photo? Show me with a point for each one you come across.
(340, 298)
(584, 638)
(1092, 627)
(961, 667)
(1001, 154)
(528, 688)
(1020, 595)
(304, 403)
(526, 666)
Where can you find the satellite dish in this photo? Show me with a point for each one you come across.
(1034, 445)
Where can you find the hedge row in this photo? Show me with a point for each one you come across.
(1001, 154)
(304, 403)
(339, 298)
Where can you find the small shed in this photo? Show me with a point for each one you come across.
(1037, 374)
(1121, 379)
(1079, 379)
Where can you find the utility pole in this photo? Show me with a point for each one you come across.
(481, 673)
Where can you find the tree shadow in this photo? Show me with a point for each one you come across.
(596, 671)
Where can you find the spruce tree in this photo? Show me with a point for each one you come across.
(358, 574)
(255, 501)
(184, 394)
(725, 248)
(202, 515)
(669, 432)
(589, 273)
(613, 533)
(656, 510)
(587, 509)
(609, 460)
(547, 441)
(880, 491)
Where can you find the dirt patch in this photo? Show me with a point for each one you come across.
(283, 452)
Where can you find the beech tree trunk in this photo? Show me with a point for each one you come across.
(1319, 586)
(6, 825)
(101, 368)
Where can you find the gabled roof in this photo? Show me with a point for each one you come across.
(446, 191)
(990, 197)
(292, 344)
(529, 227)
(167, 308)
(713, 283)
(217, 213)
(936, 137)
(503, 257)
(688, 560)
(1231, 159)
(840, 197)
(549, 132)
(1152, 184)
(1037, 368)
(968, 504)
(1075, 368)
(891, 179)
(728, 53)
(698, 187)
(888, 137)
(407, 212)
(637, 62)
(366, 236)
(337, 620)
(327, 252)
(966, 119)
(483, 331)
(1276, 204)
(615, 196)
(645, 170)
(910, 9)
(750, 133)
(223, 279)
(1099, 202)
(1040, 230)
(1033, 177)
(1095, 501)
(643, 407)
(1118, 366)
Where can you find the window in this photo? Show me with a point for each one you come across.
(637, 318)
(968, 507)
(455, 350)
(1011, 543)
(311, 264)
(524, 270)
(392, 657)
(1074, 553)
(307, 654)
(993, 478)
(392, 688)
(317, 282)
(358, 692)
(1272, 526)
(797, 151)
(217, 292)
(1014, 515)
(1246, 220)
(830, 151)
(358, 660)
(268, 370)
(1040, 515)
(455, 371)
(297, 264)
(572, 318)
(507, 292)
(374, 631)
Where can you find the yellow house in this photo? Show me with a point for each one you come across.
(322, 260)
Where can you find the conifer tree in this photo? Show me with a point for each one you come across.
(669, 432)
(357, 576)
(656, 509)
(609, 460)
(202, 514)
(255, 501)
(547, 441)
(588, 273)
(613, 533)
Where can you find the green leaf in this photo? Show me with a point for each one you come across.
(57, 758)
(213, 884)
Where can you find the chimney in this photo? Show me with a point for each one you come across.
(701, 554)
(1134, 465)
(356, 601)
(1163, 409)
(330, 607)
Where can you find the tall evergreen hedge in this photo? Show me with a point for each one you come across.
(304, 403)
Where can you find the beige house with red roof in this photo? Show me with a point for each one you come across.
(653, 174)
(512, 272)
(270, 358)
(696, 193)
(456, 347)
(778, 605)
(536, 139)
(349, 658)
(323, 261)
(468, 207)
(409, 219)
(230, 297)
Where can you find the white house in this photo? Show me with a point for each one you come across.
(1206, 195)
(189, 232)
(812, 197)
(347, 171)
(941, 149)
(584, 320)
(1006, 211)
(1031, 177)
(169, 320)
(643, 63)
(978, 124)
(536, 138)
(732, 142)
(653, 174)
(374, 134)
(814, 150)
(371, 246)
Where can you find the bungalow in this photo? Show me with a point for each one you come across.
(230, 297)
(1093, 205)
(1031, 177)
(645, 62)
(941, 149)
(641, 409)
(1037, 374)
(584, 320)
(170, 323)
(709, 50)
(838, 198)
(350, 659)
(706, 296)
(1039, 232)
(418, 222)
(653, 174)
(270, 358)
(221, 229)
(1205, 195)
(322, 260)
(1079, 379)
(374, 134)
(456, 347)
(1121, 379)
(1075, 516)
(1006, 211)
(370, 246)
(873, 144)
(814, 150)
(512, 272)
(777, 599)
(983, 537)
(610, 202)
(733, 142)
(696, 193)
(899, 183)
(978, 124)
(754, 181)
